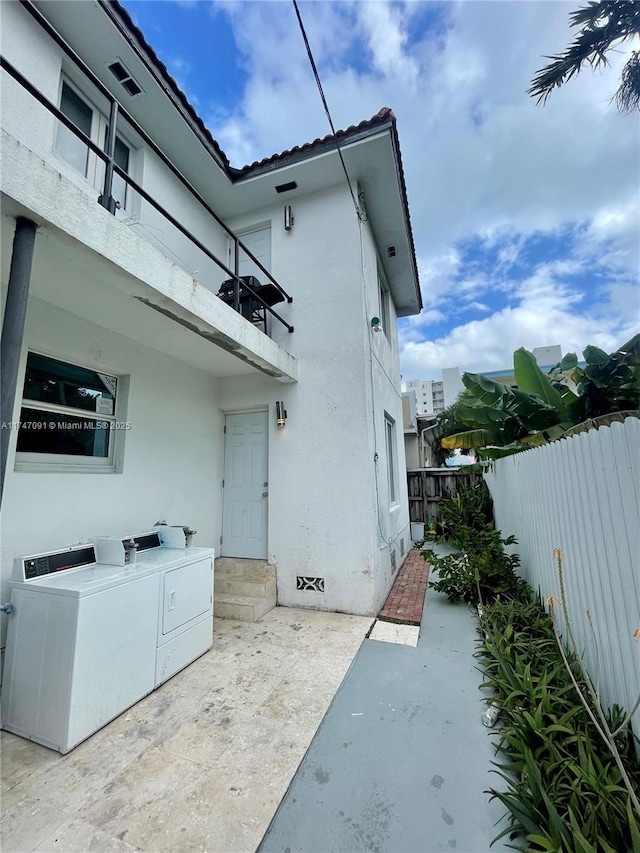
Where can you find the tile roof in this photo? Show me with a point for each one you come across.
(161, 68)
(384, 116)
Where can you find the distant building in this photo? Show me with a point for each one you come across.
(547, 357)
(434, 396)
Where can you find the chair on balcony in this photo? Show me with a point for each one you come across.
(251, 308)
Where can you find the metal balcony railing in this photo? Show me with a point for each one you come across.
(243, 287)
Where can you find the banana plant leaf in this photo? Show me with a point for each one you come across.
(480, 416)
(471, 438)
(632, 346)
(602, 420)
(567, 388)
(531, 379)
(569, 362)
(595, 356)
(500, 452)
(531, 411)
(483, 389)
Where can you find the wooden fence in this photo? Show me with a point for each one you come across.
(582, 495)
(428, 486)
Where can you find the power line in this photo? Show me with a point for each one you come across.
(326, 106)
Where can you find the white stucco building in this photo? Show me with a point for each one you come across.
(176, 391)
(433, 396)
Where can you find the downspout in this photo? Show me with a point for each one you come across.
(15, 312)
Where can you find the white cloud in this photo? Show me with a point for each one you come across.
(482, 161)
(546, 311)
(386, 36)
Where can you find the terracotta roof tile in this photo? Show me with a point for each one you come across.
(382, 117)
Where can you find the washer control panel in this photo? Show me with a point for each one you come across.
(28, 568)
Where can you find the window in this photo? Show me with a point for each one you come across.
(68, 145)
(384, 307)
(68, 415)
(390, 440)
(75, 152)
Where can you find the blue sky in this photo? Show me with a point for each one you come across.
(526, 219)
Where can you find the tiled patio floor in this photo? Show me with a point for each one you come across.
(405, 602)
(201, 763)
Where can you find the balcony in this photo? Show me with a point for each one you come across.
(254, 301)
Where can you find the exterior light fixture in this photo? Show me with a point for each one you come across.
(281, 413)
(288, 218)
(375, 324)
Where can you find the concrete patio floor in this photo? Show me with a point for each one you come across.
(401, 761)
(200, 764)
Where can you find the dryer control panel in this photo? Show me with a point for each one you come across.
(28, 568)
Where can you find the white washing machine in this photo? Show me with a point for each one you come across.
(87, 640)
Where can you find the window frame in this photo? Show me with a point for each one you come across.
(70, 463)
(63, 132)
(392, 458)
(95, 167)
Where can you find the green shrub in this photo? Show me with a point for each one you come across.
(564, 789)
(483, 570)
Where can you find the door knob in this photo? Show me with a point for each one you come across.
(264, 494)
(265, 484)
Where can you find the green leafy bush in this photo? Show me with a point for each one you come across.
(564, 791)
(482, 570)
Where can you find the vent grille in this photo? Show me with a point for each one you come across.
(310, 584)
(391, 251)
(285, 188)
(124, 76)
(402, 547)
(393, 562)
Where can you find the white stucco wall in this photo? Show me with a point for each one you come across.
(172, 455)
(384, 401)
(330, 513)
(411, 451)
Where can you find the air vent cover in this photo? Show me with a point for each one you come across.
(311, 584)
(285, 188)
(124, 76)
(391, 251)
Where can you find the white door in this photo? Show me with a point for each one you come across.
(246, 486)
(258, 242)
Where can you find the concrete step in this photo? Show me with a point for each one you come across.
(244, 589)
(245, 608)
(244, 585)
(238, 566)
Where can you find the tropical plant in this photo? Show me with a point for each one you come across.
(501, 420)
(448, 423)
(604, 24)
(565, 790)
(482, 570)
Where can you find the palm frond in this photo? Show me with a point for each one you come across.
(604, 24)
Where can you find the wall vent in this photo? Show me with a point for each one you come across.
(391, 251)
(285, 188)
(310, 584)
(124, 76)
(402, 547)
(393, 562)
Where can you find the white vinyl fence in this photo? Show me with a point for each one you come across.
(582, 494)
